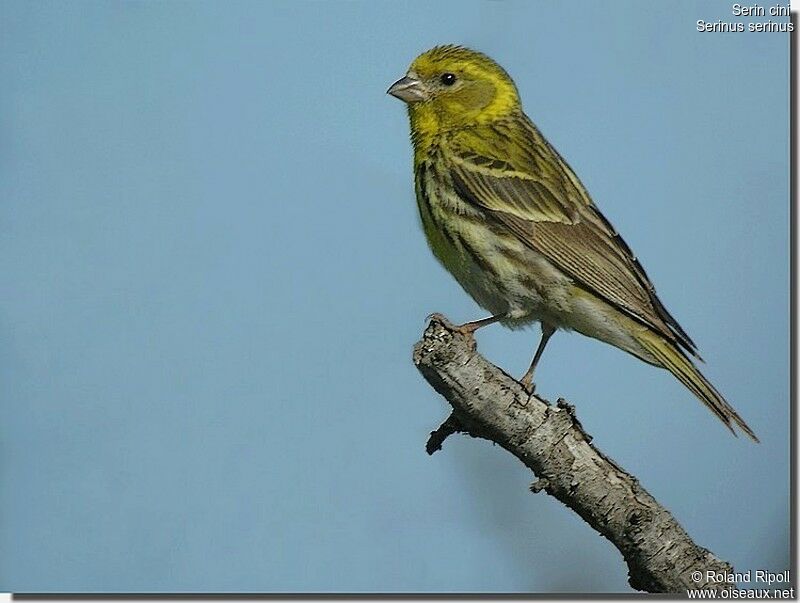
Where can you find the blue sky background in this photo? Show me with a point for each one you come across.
(212, 275)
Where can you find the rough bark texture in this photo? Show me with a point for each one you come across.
(489, 404)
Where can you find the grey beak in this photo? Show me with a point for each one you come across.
(408, 89)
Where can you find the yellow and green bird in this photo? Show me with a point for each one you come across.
(506, 215)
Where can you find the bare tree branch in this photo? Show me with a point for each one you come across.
(489, 404)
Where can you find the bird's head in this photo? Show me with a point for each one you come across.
(450, 87)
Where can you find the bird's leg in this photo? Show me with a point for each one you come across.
(468, 328)
(527, 378)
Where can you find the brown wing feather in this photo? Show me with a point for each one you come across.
(540, 200)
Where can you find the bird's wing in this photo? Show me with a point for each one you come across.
(519, 180)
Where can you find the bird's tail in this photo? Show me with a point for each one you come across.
(670, 357)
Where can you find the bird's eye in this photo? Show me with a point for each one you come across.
(448, 79)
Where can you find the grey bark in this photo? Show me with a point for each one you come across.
(487, 403)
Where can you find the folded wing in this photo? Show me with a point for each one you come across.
(534, 194)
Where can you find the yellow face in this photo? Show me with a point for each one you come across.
(450, 86)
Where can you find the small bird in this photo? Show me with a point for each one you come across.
(509, 219)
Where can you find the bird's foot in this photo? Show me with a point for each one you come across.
(439, 317)
(467, 329)
(528, 384)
